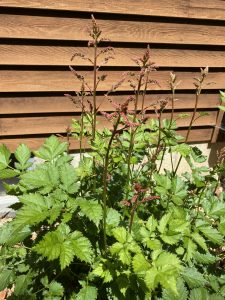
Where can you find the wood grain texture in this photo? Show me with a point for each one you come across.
(61, 56)
(59, 124)
(27, 81)
(62, 104)
(196, 135)
(217, 126)
(200, 9)
(59, 28)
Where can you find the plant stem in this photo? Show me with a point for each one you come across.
(189, 129)
(82, 122)
(94, 112)
(198, 84)
(172, 85)
(133, 131)
(105, 185)
(132, 217)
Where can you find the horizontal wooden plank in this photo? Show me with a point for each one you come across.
(60, 104)
(196, 135)
(39, 27)
(58, 124)
(200, 9)
(24, 81)
(61, 56)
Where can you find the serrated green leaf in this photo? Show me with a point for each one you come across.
(87, 292)
(60, 244)
(103, 272)
(217, 209)
(91, 209)
(4, 157)
(51, 149)
(122, 251)
(5, 233)
(171, 238)
(112, 218)
(21, 284)
(178, 225)
(190, 249)
(164, 222)
(178, 190)
(182, 293)
(162, 181)
(116, 248)
(199, 240)
(221, 228)
(151, 224)
(183, 149)
(16, 235)
(168, 281)
(120, 234)
(140, 264)
(205, 258)
(22, 155)
(151, 278)
(45, 178)
(5, 277)
(199, 294)
(203, 294)
(69, 179)
(166, 258)
(212, 234)
(193, 278)
(81, 246)
(66, 255)
(35, 210)
(55, 291)
(124, 256)
(8, 173)
(50, 246)
(152, 244)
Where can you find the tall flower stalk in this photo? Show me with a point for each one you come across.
(198, 85)
(146, 66)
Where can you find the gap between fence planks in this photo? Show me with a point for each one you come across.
(203, 134)
(200, 9)
(37, 81)
(61, 56)
(59, 28)
(60, 104)
(59, 124)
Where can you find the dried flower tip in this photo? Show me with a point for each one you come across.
(163, 103)
(149, 198)
(134, 199)
(205, 71)
(125, 203)
(173, 77)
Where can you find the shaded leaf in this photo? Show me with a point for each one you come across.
(91, 209)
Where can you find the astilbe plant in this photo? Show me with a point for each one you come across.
(117, 226)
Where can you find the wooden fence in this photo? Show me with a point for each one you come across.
(38, 39)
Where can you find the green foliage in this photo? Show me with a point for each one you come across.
(87, 292)
(65, 245)
(91, 209)
(116, 226)
(193, 278)
(182, 293)
(51, 149)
